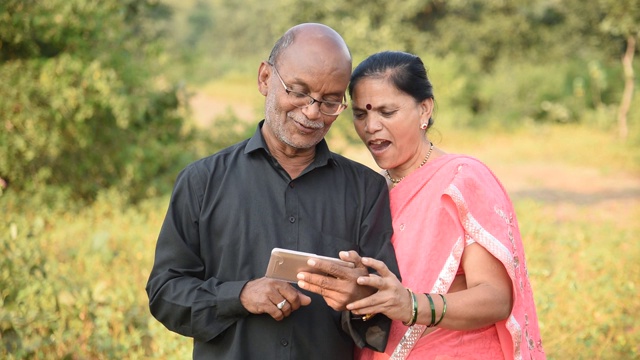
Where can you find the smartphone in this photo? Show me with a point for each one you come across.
(286, 264)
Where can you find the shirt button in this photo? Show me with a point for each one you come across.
(284, 342)
(292, 219)
(291, 185)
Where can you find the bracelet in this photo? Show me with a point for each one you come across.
(414, 309)
(433, 310)
(444, 309)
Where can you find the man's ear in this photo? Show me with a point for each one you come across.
(264, 74)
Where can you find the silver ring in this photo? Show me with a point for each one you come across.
(280, 305)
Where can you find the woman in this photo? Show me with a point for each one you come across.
(464, 292)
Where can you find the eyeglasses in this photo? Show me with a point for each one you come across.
(301, 100)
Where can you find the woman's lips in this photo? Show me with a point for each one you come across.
(378, 146)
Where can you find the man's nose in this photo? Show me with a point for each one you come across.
(312, 111)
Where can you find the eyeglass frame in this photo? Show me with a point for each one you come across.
(313, 100)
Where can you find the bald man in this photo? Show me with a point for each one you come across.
(283, 188)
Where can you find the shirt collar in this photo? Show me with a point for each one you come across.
(256, 142)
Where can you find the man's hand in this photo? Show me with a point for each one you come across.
(267, 296)
(339, 287)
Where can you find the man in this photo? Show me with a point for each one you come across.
(280, 188)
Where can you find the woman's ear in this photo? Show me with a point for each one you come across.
(426, 108)
(264, 74)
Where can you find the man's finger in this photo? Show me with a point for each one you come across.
(330, 268)
(317, 283)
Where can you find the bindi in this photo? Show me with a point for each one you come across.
(368, 106)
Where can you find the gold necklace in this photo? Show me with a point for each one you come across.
(426, 158)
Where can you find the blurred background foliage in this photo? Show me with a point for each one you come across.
(81, 104)
(94, 95)
(96, 119)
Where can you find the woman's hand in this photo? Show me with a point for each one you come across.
(339, 286)
(392, 298)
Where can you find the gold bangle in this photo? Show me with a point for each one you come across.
(414, 309)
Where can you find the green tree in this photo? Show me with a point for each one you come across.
(81, 105)
(505, 61)
(622, 20)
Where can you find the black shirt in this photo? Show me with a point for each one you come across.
(227, 212)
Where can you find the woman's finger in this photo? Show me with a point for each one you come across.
(377, 265)
(372, 280)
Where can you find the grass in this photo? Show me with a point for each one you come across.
(72, 281)
(584, 274)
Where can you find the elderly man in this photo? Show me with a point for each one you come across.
(280, 188)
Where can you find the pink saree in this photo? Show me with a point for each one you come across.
(437, 210)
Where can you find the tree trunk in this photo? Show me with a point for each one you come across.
(627, 96)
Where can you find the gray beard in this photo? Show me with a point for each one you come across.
(278, 127)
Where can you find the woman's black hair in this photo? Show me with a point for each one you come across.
(405, 71)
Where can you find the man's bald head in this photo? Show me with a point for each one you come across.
(322, 36)
(312, 62)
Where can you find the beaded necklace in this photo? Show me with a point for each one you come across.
(426, 158)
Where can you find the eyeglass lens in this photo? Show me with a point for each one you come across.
(299, 99)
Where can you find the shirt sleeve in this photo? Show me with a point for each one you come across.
(178, 296)
(375, 242)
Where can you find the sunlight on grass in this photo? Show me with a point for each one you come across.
(569, 144)
(584, 275)
(235, 88)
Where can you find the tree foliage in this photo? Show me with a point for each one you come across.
(80, 104)
(499, 47)
(86, 101)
